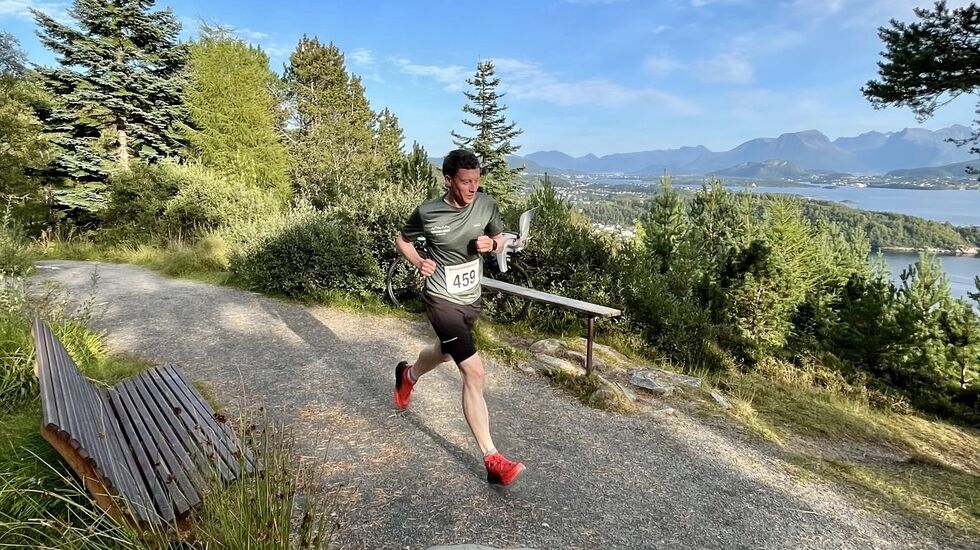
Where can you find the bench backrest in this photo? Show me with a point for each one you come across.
(80, 416)
(151, 441)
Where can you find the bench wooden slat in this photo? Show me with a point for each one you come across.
(164, 506)
(174, 416)
(217, 433)
(152, 440)
(174, 480)
(189, 456)
(113, 456)
(548, 298)
(192, 425)
(76, 423)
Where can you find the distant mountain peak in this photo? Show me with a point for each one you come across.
(869, 152)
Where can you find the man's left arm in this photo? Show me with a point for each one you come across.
(486, 243)
(493, 238)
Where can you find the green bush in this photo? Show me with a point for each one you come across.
(207, 201)
(382, 216)
(567, 256)
(307, 253)
(167, 200)
(138, 200)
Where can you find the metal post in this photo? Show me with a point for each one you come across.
(588, 348)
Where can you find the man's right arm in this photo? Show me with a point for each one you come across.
(407, 249)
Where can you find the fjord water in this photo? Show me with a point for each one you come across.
(958, 207)
(959, 269)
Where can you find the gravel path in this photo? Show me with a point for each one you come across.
(416, 480)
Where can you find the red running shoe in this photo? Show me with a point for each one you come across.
(403, 386)
(500, 470)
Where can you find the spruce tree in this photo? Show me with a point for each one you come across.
(331, 134)
(493, 134)
(665, 225)
(388, 144)
(233, 112)
(118, 88)
(415, 173)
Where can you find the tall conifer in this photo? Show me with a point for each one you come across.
(332, 138)
(493, 134)
(118, 88)
(233, 111)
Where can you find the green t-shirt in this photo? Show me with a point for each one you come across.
(450, 236)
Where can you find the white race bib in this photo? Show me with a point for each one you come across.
(463, 277)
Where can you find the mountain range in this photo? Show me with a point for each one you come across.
(868, 153)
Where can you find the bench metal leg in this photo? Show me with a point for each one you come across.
(588, 347)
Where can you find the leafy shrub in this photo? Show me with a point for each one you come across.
(306, 253)
(138, 200)
(382, 216)
(566, 256)
(150, 202)
(207, 201)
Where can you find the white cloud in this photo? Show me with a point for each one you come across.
(361, 56)
(528, 81)
(524, 80)
(866, 13)
(659, 65)
(660, 28)
(453, 76)
(249, 34)
(21, 9)
(732, 68)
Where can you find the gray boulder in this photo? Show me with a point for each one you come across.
(551, 365)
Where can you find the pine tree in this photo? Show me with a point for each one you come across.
(331, 134)
(118, 89)
(416, 174)
(492, 142)
(388, 144)
(922, 299)
(929, 62)
(233, 112)
(665, 225)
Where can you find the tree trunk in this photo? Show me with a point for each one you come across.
(123, 145)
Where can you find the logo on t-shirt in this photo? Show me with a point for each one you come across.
(439, 230)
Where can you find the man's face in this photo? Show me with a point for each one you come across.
(463, 186)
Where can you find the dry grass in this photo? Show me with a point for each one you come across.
(924, 468)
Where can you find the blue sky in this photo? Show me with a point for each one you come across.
(588, 76)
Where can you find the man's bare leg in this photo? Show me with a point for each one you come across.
(429, 358)
(474, 406)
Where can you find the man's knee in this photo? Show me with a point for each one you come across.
(472, 370)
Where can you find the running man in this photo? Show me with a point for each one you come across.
(458, 227)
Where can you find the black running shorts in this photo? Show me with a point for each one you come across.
(453, 324)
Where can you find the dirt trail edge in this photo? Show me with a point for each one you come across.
(415, 480)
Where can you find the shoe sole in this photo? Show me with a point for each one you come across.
(399, 375)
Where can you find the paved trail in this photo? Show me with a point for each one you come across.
(415, 480)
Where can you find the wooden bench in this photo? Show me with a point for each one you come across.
(591, 311)
(147, 449)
